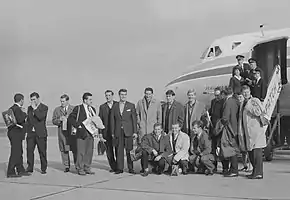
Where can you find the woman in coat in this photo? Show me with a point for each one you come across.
(236, 80)
(254, 131)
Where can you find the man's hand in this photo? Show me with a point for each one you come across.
(34, 106)
(135, 136)
(155, 153)
(174, 161)
(158, 158)
(63, 118)
(24, 109)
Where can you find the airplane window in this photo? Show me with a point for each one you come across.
(204, 53)
(217, 50)
(235, 44)
(210, 53)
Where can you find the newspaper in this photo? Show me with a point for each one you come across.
(93, 124)
(10, 119)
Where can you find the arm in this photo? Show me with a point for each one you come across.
(112, 121)
(138, 113)
(227, 111)
(40, 114)
(134, 119)
(20, 116)
(207, 146)
(184, 149)
(168, 149)
(145, 144)
(181, 115)
(159, 113)
(102, 118)
(56, 118)
(263, 90)
(73, 117)
(231, 83)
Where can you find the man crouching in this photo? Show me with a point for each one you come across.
(200, 150)
(156, 150)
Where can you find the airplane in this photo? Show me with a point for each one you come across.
(217, 62)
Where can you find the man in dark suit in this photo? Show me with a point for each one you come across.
(253, 64)
(230, 117)
(36, 132)
(124, 129)
(244, 67)
(85, 140)
(16, 135)
(259, 87)
(156, 149)
(172, 112)
(105, 115)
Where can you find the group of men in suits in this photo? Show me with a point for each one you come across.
(32, 122)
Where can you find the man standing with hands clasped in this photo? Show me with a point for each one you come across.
(36, 132)
(124, 129)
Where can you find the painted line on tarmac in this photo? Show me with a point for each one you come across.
(54, 193)
(180, 194)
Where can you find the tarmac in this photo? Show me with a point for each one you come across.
(104, 185)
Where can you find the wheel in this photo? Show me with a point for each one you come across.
(268, 153)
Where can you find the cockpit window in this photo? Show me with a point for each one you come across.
(204, 53)
(235, 44)
(217, 50)
(210, 53)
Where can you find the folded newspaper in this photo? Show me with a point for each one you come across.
(10, 119)
(93, 124)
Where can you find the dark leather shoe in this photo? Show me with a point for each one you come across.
(232, 175)
(225, 172)
(112, 170)
(144, 174)
(119, 172)
(90, 172)
(256, 177)
(66, 170)
(24, 174)
(43, 172)
(208, 172)
(81, 173)
(29, 170)
(131, 171)
(142, 171)
(13, 176)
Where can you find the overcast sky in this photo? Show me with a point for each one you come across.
(72, 46)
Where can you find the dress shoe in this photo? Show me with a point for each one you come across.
(232, 175)
(244, 169)
(66, 170)
(119, 172)
(131, 171)
(142, 171)
(81, 173)
(112, 170)
(145, 173)
(225, 172)
(24, 173)
(90, 172)
(208, 172)
(29, 170)
(43, 172)
(13, 176)
(256, 177)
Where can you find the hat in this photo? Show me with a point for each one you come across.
(170, 92)
(251, 60)
(239, 56)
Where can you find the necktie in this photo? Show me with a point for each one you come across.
(90, 111)
(65, 111)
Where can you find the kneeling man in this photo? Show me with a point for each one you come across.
(180, 143)
(200, 150)
(156, 150)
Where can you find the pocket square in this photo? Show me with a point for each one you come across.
(128, 110)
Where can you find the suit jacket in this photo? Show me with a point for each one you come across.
(146, 118)
(259, 89)
(82, 132)
(59, 112)
(230, 113)
(236, 84)
(245, 70)
(20, 117)
(163, 147)
(37, 119)
(105, 115)
(202, 144)
(126, 121)
(216, 110)
(176, 114)
(197, 113)
(182, 146)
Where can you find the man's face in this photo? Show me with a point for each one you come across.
(175, 129)
(148, 95)
(241, 98)
(89, 101)
(257, 75)
(157, 130)
(191, 96)
(123, 96)
(240, 61)
(34, 100)
(217, 94)
(63, 102)
(246, 93)
(21, 102)
(196, 129)
(109, 96)
(169, 98)
(253, 65)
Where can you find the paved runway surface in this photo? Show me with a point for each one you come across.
(59, 185)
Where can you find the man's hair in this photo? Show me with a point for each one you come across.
(109, 91)
(18, 97)
(198, 123)
(245, 87)
(122, 90)
(257, 70)
(223, 92)
(217, 89)
(170, 92)
(64, 96)
(191, 91)
(149, 89)
(239, 93)
(176, 123)
(228, 91)
(34, 94)
(86, 95)
(157, 124)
